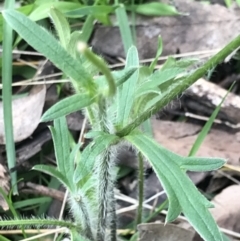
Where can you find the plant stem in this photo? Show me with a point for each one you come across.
(140, 189)
(7, 96)
(212, 62)
(81, 214)
(113, 217)
(103, 193)
(37, 222)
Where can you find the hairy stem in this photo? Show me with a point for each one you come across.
(105, 195)
(140, 188)
(37, 223)
(82, 214)
(112, 214)
(106, 212)
(212, 62)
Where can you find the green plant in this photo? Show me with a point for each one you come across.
(115, 104)
(7, 95)
(230, 2)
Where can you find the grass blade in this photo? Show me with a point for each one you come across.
(201, 136)
(7, 96)
(12, 209)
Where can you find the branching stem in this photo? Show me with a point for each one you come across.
(212, 62)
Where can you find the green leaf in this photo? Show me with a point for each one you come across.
(157, 79)
(45, 43)
(61, 25)
(42, 10)
(87, 28)
(182, 63)
(147, 127)
(159, 52)
(168, 89)
(182, 193)
(201, 136)
(25, 10)
(153, 9)
(60, 136)
(125, 98)
(120, 76)
(67, 106)
(52, 172)
(124, 27)
(72, 44)
(201, 164)
(74, 153)
(101, 65)
(76, 236)
(30, 202)
(7, 97)
(90, 153)
(123, 75)
(90, 10)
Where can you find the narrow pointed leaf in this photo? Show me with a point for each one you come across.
(174, 179)
(157, 79)
(42, 11)
(67, 106)
(101, 65)
(154, 9)
(125, 96)
(201, 164)
(201, 136)
(87, 28)
(197, 164)
(72, 44)
(159, 52)
(90, 153)
(124, 75)
(44, 42)
(124, 27)
(60, 136)
(97, 9)
(52, 172)
(74, 154)
(61, 25)
(120, 76)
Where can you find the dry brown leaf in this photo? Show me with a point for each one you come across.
(227, 208)
(26, 114)
(206, 27)
(4, 184)
(161, 232)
